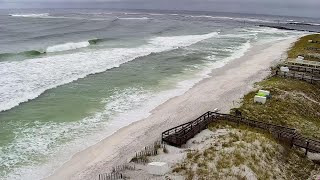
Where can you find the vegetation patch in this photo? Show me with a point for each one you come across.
(245, 153)
(294, 103)
(304, 47)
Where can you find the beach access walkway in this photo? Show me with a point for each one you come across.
(308, 71)
(179, 135)
(313, 79)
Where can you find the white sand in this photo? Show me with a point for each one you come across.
(225, 86)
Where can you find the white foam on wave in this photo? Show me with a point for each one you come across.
(26, 80)
(134, 18)
(43, 139)
(67, 46)
(31, 15)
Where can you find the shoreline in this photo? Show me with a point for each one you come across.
(225, 86)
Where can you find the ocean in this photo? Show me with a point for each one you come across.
(71, 77)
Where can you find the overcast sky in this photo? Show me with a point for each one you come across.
(307, 8)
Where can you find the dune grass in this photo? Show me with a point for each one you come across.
(294, 103)
(245, 153)
(300, 46)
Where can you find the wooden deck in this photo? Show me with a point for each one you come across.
(313, 79)
(306, 63)
(305, 69)
(179, 135)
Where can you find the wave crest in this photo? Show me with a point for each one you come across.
(50, 49)
(67, 46)
(21, 79)
(135, 18)
(30, 15)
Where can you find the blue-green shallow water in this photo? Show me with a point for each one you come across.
(66, 104)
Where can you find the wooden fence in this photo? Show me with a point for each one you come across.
(115, 173)
(111, 176)
(179, 135)
(152, 150)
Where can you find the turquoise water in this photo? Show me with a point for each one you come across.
(59, 103)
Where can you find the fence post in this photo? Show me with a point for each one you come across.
(307, 149)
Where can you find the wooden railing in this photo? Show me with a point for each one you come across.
(299, 75)
(303, 63)
(179, 135)
(311, 70)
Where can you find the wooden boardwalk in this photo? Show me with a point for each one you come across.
(179, 135)
(314, 64)
(313, 79)
(305, 69)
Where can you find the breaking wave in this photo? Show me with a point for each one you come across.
(30, 15)
(135, 18)
(67, 46)
(25, 80)
(51, 49)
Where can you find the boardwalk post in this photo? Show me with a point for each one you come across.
(307, 149)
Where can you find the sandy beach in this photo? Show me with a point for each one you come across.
(223, 90)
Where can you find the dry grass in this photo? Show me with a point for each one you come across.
(294, 103)
(300, 46)
(245, 152)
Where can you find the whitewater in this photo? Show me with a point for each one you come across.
(26, 80)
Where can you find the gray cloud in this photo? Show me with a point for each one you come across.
(309, 8)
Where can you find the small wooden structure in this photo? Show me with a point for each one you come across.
(179, 135)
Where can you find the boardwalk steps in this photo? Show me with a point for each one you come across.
(179, 135)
